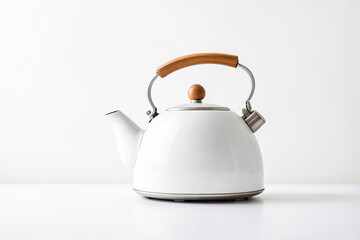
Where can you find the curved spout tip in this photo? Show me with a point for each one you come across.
(111, 112)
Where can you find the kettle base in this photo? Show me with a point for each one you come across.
(199, 197)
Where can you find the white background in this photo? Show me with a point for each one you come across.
(64, 64)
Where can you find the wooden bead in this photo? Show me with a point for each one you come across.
(196, 92)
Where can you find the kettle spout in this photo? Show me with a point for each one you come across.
(128, 136)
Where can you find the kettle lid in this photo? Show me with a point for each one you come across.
(198, 106)
(196, 94)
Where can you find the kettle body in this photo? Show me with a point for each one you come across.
(198, 152)
(195, 151)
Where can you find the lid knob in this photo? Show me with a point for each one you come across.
(196, 92)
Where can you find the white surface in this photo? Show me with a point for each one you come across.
(198, 152)
(65, 63)
(112, 211)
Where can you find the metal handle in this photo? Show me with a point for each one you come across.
(152, 114)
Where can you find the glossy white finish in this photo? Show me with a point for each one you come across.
(128, 136)
(198, 152)
(115, 211)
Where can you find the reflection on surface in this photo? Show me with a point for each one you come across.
(186, 219)
(292, 207)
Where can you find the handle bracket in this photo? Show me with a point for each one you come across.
(152, 114)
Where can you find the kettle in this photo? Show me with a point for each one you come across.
(195, 151)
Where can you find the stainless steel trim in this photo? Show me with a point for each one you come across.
(152, 114)
(198, 108)
(199, 197)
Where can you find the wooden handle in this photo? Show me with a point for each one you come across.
(194, 59)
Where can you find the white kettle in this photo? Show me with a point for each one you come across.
(195, 151)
